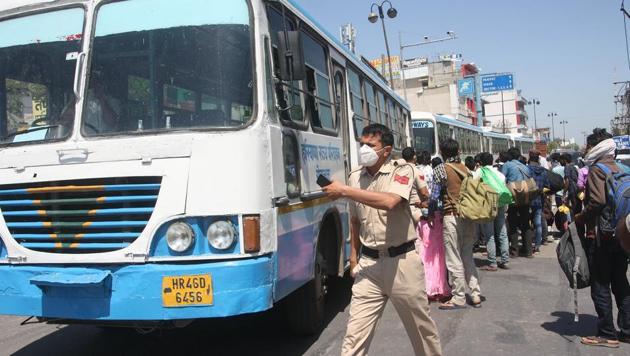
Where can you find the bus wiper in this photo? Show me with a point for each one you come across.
(30, 129)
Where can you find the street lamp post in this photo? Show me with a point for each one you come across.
(564, 133)
(373, 17)
(553, 130)
(534, 102)
(451, 36)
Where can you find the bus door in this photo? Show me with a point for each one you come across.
(341, 111)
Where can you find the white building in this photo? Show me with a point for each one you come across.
(505, 111)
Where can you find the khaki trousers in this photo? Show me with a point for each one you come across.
(459, 239)
(400, 279)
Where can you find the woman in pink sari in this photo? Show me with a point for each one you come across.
(430, 244)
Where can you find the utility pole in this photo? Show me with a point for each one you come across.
(564, 133)
(534, 102)
(503, 111)
(553, 130)
(349, 37)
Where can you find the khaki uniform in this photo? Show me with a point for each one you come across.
(400, 278)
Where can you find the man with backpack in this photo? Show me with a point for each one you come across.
(459, 233)
(571, 177)
(518, 214)
(495, 231)
(608, 262)
(540, 176)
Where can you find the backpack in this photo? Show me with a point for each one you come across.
(573, 262)
(498, 185)
(523, 191)
(617, 199)
(478, 202)
(556, 182)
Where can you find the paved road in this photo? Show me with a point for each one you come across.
(527, 312)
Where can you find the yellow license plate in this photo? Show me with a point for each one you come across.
(183, 291)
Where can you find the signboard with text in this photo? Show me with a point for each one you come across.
(497, 82)
(622, 142)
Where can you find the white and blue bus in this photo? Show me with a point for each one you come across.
(159, 158)
(429, 130)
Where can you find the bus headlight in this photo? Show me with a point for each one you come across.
(180, 236)
(221, 235)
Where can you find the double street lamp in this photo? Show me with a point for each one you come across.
(553, 130)
(534, 102)
(373, 17)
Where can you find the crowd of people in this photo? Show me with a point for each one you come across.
(407, 211)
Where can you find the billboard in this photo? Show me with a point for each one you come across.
(497, 82)
(382, 66)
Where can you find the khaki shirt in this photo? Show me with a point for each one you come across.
(381, 229)
(414, 197)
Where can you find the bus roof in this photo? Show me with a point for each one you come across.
(14, 4)
(349, 55)
(454, 122)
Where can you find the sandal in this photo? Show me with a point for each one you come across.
(449, 305)
(599, 341)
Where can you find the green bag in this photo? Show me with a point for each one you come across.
(499, 186)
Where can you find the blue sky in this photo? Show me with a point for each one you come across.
(567, 53)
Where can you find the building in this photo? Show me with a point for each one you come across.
(432, 86)
(542, 134)
(504, 111)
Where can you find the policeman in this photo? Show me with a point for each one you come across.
(389, 268)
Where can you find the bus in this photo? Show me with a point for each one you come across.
(428, 129)
(159, 159)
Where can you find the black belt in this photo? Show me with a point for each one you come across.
(391, 251)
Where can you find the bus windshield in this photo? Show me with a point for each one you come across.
(424, 136)
(38, 55)
(161, 65)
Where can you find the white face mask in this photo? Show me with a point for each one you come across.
(367, 156)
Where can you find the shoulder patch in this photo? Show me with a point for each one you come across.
(401, 179)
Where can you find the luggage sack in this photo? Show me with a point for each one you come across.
(573, 262)
(523, 191)
(478, 202)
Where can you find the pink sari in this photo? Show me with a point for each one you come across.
(430, 247)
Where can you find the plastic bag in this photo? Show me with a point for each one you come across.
(491, 179)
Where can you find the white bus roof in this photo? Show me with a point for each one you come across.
(12, 4)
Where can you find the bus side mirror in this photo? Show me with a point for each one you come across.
(292, 66)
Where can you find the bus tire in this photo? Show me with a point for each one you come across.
(305, 309)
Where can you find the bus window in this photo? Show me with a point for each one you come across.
(357, 101)
(288, 95)
(382, 109)
(424, 136)
(271, 104)
(318, 83)
(38, 57)
(180, 57)
(291, 165)
(443, 132)
(371, 101)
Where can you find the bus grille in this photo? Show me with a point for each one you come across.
(79, 216)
